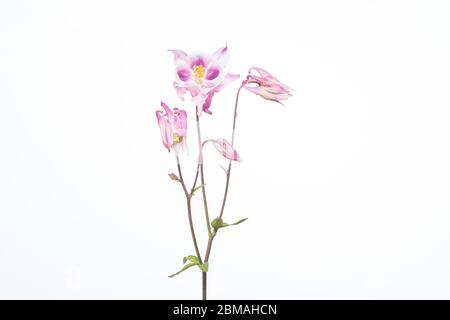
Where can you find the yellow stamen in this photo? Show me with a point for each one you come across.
(199, 72)
(176, 138)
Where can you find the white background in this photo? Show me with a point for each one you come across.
(346, 188)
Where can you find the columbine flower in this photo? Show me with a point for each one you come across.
(226, 149)
(173, 125)
(266, 85)
(202, 75)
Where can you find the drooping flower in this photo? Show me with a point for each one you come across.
(266, 85)
(202, 75)
(226, 149)
(173, 126)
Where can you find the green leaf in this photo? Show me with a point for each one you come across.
(197, 188)
(204, 267)
(237, 222)
(218, 223)
(189, 265)
(193, 259)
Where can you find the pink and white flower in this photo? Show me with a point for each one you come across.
(173, 126)
(266, 85)
(202, 75)
(226, 149)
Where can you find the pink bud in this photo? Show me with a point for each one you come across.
(226, 149)
(266, 85)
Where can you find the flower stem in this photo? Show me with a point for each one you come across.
(189, 209)
(202, 174)
(227, 183)
(205, 202)
(204, 274)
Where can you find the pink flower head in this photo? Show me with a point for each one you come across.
(266, 85)
(226, 149)
(202, 75)
(173, 126)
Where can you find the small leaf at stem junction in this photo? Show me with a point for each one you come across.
(197, 188)
(218, 223)
(189, 265)
(204, 267)
(174, 177)
(193, 259)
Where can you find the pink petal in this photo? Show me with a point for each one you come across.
(199, 59)
(268, 86)
(267, 95)
(184, 146)
(221, 56)
(179, 55)
(199, 101)
(184, 74)
(261, 92)
(212, 73)
(165, 128)
(181, 91)
(180, 122)
(207, 102)
(167, 109)
(205, 99)
(262, 72)
(276, 88)
(225, 148)
(229, 77)
(266, 77)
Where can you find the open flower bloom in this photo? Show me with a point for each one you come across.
(202, 75)
(226, 149)
(173, 126)
(266, 85)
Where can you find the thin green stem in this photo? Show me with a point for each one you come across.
(227, 183)
(205, 201)
(209, 246)
(189, 209)
(204, 277)
(202, 174)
